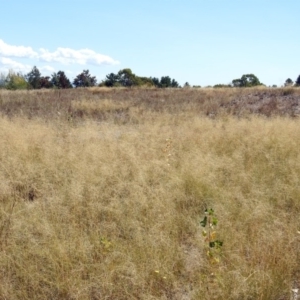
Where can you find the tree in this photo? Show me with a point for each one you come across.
(111, 80)
(46, 82)
(288, 82)
(155, 81)
(248, 80)
(174, 83)
(165, 82)
(297, 83)
(85, 79)
(15, 81)
(60, 80)
(127, 78)
(237, 82)
(33, 78)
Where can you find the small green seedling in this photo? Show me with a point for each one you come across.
(209, 223)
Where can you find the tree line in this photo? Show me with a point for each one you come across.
(59, 80)
(124, 78)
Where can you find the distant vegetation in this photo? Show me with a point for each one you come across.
(124, 78)
(59, 80)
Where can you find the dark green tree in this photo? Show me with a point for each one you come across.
(155, 81)
(33, 78)
(174, 83)
(84, 79)
(288, 82)
(60, 80)
(165, 82)
(248, 80)
(111, 80)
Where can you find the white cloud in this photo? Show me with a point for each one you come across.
(6, 64)
(71, 56)
(60, 55)
(16, 51)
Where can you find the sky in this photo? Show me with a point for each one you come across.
(202, 42)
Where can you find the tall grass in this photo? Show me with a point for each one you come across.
(106, 203)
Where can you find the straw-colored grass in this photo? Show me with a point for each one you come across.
(110, 209)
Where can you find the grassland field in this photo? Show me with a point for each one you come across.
(102, 192)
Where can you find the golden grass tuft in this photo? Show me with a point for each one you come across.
(109, 208)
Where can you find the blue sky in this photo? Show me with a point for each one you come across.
(203, 42)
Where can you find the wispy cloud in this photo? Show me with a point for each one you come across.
(6, 64)
(60, 55)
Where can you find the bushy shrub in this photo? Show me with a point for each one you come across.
(15, 81)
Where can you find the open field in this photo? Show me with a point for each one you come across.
(102, 192)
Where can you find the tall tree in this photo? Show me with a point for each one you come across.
(33, 78)
(60, 80)
(85, 79)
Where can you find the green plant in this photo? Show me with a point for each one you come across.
(247, 80)
(15, 81)
(214, 245)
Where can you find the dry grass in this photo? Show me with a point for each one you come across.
(101, 196)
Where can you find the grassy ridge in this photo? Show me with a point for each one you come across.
(101, 198)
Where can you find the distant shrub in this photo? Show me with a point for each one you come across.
(247, 80)
(222, 86)
(15, 81)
